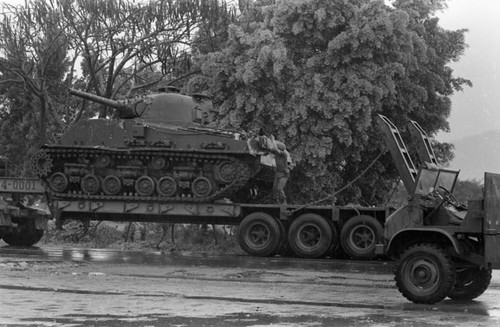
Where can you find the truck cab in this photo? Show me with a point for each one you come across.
(431, 203)
(442, 248)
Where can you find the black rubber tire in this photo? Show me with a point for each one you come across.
(283, 246)
(311, 236)
(425, 273)
(359, 237)
(21, 235)
(261, 235)
(470, 283)
(334, 247)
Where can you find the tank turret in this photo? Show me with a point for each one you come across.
(156, 147)
(164, 106)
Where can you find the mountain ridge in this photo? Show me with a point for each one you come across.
(477, 154)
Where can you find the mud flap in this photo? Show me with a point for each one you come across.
(41, 222)
(379, 249)
(492, 220)
(5, 218)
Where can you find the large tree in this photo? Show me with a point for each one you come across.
(128, 46)
(32, 70)
(315, 73)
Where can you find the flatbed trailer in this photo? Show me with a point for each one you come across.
(264, 229)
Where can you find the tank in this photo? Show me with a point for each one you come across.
(157, 147)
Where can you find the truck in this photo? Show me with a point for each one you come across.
(442, 248)
(20, 224)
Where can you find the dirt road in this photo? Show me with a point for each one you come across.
(82, 287)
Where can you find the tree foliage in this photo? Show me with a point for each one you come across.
(126, 46)
(315, 73)
(468, 190)
(32, 70)
(33, 58)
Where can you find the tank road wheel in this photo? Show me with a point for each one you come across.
(470, 283)
(21, 235)
(310, 236)
(145, 186)
(260, 234)
(226, 172)
(201, 187)
(167, 186)
(111, 185)
(359, 235)
(58, 182)
(425, 274)
(90, 184)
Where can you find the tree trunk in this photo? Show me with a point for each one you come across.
(43, 122)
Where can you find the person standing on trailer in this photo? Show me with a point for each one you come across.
(283, 166)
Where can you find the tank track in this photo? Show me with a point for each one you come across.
(54, 156)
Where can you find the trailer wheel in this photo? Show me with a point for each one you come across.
(359, 236)
(260, 234)
(470, 283)
(425, 274)
(21, 235)
(311, 236)
(283, 248)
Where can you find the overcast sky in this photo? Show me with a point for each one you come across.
(476, 109)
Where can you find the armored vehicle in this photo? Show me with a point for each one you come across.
(157, 147)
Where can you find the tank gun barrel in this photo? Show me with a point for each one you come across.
(96, 98)
(124, 108)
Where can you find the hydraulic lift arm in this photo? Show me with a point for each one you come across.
(399, 153)
(424, 149)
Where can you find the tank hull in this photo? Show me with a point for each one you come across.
(134, 160)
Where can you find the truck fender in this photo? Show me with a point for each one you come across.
(411, 235)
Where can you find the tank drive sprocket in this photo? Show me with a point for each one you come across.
(41, 163)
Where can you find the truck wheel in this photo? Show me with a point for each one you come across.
(311, 236)
(470, 283)
(21, 235)
(260, 234)
(425, 274)
(359, 235)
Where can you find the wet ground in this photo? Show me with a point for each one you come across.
(85, 287)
